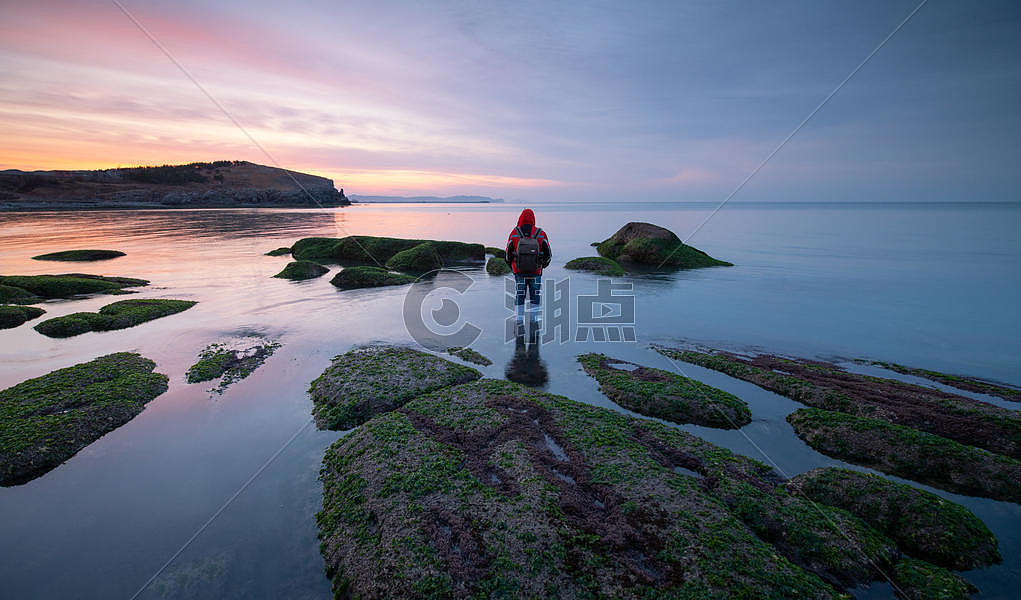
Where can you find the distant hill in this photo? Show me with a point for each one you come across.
(220, 184)
(424, 199)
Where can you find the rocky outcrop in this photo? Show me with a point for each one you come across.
(652, 245)
(497, 266)
(119, 315)
(352, 278)
(80, 255)
(221, 184)
(300, 270)
(597, 264)
(12, 316)
(29, 289)
(378, 251)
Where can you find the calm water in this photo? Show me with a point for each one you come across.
(935, 286)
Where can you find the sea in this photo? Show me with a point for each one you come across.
(208, 495)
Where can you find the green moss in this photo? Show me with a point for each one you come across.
(46, 420)
(923, 524)
(497, 252)
(119, 315)
(666, 251)
(279, 252)
(365, 277)
(958, 381)
(378, 250)
(597, 264)
(15, 295)
(496, 265)
(469, 355)
(666, 395)
(314, 248)
(918, 580)
(230, 365)
(12, 316)
(909, 453)
(67, 286)
(367, 381)
(417, 259)
(80, 255)
(302, 269)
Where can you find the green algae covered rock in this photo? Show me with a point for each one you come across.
(119, 315)
(497, 266)
(35, 287)
(15, 295)
(960, 382)
(417, 259)
(300, 270)
(497, 252)
(665, 395)
(921, 523)
(596, 264)
(469, 355)
(229, 365)
(46, 420)
(80, 255)
(12, 316)
(366, 277)
(379, 250)
(649, 244)
(367, 381)
(493, 489)
(919, 580)
(279, 252)
(909, 453)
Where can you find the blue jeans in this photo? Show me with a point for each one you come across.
(530, 283)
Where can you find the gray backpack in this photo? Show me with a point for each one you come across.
(526, 257)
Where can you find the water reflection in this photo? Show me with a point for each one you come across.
(525, 367)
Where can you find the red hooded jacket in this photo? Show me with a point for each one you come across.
(526, 223)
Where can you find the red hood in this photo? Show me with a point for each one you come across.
(527, 218)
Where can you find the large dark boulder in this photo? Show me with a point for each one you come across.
(648, 244)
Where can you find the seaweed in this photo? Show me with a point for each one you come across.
(229, 365)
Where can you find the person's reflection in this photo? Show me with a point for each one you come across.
(525, 367)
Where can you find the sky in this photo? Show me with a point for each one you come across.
(536, 101)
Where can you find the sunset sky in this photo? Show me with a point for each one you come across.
(529, 100)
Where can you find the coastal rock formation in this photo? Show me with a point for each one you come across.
(919, 580)
(379, 250)
(12, 316)
(29, 289)
(302, 269)
(497, 266)
(648, 244)
(961, 382)
(417, 259)
(80, 255)
(368, 277)
(597, 264)
(491, 488)
(279, 252)
(119, 315)
(195, 185)
(469, 355)
(48, 419)
(665, 395)
(367, 381)
(497, 252)
(229, 365)
(921, 523)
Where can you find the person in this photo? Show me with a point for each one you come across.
(528, 252)
(526, 367)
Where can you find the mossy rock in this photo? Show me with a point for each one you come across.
(919, 580)
(367, 381)
(279, 252)
(229, 365)
(119, 315)
(826, 386)
(665, 395)
(960, 382)
(302, 269)
(48, 419)
(366, 277)
(497, 252)
(469, 355)
(80, 255)
(15, 295)
(921, 523)
(417, 259)
(909, 453)
(649, 244)
(596, 264)
(493, 489)
(12, 316)
(497, 266)
(379, 250)
(68, 285)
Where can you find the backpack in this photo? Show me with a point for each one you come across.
(526, 256)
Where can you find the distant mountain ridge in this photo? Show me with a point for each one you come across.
(424, 199)
(220, 184)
